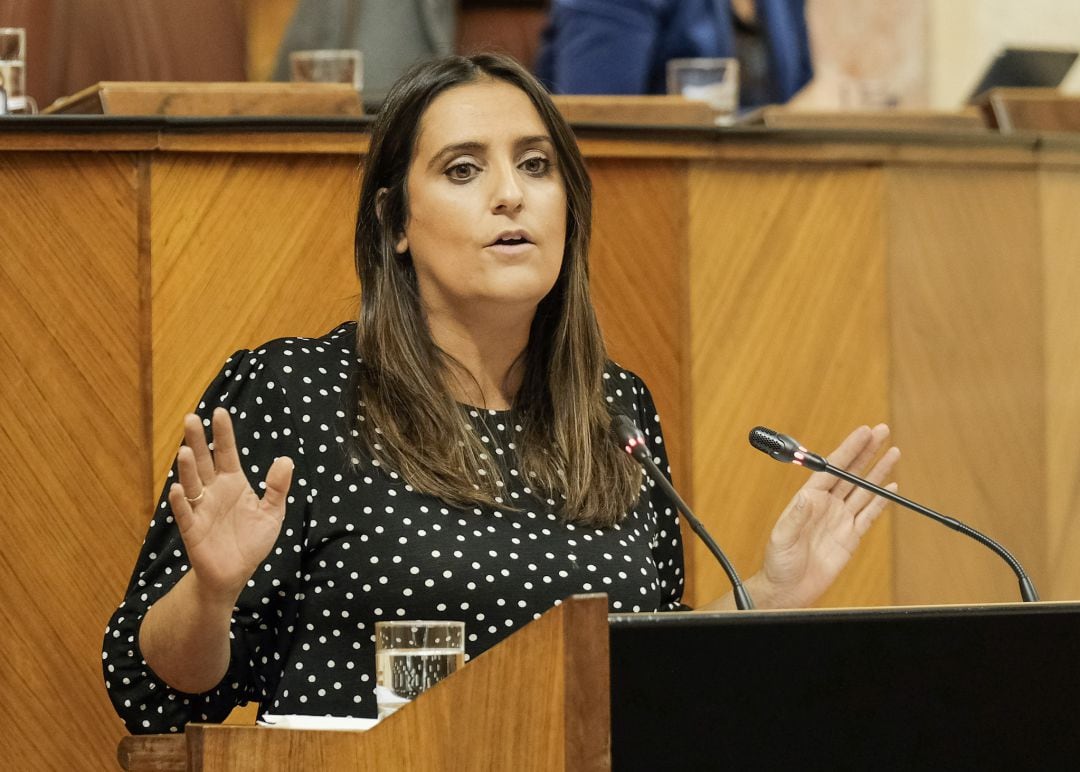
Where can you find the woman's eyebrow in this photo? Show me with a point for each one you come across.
(454, 149)
(534, 139)
(478, 147)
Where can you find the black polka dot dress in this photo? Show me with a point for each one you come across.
(359, 545)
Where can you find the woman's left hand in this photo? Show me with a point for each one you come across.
(818, 532)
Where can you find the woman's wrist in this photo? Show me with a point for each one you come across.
(762, 591)
(758, 586)
(210, 599)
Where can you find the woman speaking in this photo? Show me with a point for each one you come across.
(447, 456)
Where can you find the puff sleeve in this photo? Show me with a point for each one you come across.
(251, 389)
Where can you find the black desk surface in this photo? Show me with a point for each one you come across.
(985, 687)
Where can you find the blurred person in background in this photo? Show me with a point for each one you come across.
(392, 36)
(623, 46)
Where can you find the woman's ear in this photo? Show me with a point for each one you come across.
(402, 244)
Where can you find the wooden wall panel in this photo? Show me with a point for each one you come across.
(1059, 199)
(637, 281)
(967, 331)
(74, 479)
(787, 329)
(908, 282)
(73, 44)
(244, 249)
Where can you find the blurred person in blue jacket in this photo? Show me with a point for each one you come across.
(622, 46)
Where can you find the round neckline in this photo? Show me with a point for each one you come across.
(482, 411)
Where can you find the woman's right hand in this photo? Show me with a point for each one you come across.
(227, 529)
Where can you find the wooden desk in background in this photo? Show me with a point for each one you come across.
(808, 280)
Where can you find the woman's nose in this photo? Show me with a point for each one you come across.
(508, 193)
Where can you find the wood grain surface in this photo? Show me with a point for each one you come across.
(639, 245)
(1059, 195)
(243, 249)
(211, 99)
(788, 329)
(74, 475)
(969, 378)
(538, 701)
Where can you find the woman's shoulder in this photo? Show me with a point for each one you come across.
(310, 364)
(300, 356)
(615, 374)
(628, 395)
(625, 390)
(338, 343)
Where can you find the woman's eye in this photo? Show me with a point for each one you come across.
(462, 172)
(536, 165)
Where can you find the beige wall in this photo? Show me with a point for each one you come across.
(965, 34)
(924, 53)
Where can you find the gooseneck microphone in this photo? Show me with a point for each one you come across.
(632, 441)
(788, 450)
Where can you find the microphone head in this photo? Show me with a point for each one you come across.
(779, 446)
(628, 436)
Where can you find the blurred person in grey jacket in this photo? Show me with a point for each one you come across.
(391, 35)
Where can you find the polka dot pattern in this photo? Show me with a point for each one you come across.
(360, 545)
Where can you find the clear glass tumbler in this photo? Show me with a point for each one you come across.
(413, 656)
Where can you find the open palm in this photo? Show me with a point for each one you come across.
(818, 532)
(227, 529)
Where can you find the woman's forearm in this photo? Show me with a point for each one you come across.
(184, 637)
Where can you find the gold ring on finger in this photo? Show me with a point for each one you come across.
(197, 498)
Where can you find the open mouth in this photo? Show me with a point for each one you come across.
(514, 238)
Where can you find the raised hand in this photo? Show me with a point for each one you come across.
(227, 529)
(818, 532)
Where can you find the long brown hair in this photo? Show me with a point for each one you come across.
(406, 416)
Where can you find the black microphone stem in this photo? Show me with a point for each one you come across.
(1027, 587)
(742, 597)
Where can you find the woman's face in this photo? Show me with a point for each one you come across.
(487, 207)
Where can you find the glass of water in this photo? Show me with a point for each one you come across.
(13, 83)
(328, 66)
(712, 80)
(13, 96)
(413, 656)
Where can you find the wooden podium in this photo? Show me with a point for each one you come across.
(941, 687)
(539, 700)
